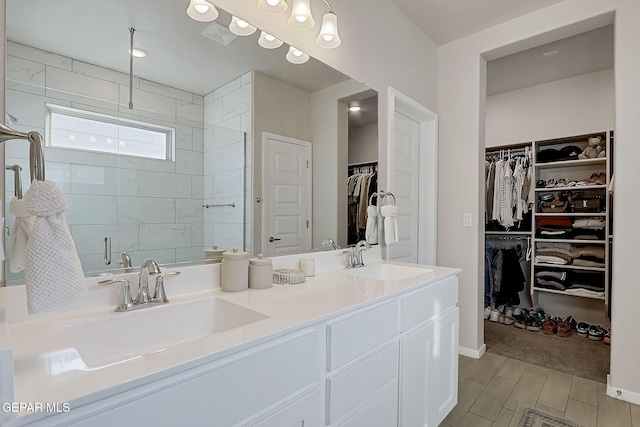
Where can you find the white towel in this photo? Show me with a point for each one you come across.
(19, 235)
(390, 213)
(371, 232)
(53, 273)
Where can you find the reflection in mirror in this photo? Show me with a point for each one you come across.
(194, 138)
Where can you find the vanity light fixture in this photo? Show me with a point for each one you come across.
(268, 41)
(241, 27)
(296, 56)
(138, 53)
(328, 37)
(301, 18)
(202, 11)
(272, 6)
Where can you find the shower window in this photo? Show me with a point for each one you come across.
(83, 130)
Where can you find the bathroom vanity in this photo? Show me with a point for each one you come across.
(373, 346)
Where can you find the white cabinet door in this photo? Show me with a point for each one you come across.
(303, 412)
(429, 371)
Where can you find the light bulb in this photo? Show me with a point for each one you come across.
(138, 53)
(328, 37)
(241, 27)
(354, 108)
(242, 24)
(301, 17)
(296, 56)
(202, 10)
(267, 41)
(272, 6)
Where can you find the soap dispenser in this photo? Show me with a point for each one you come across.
(235, 271)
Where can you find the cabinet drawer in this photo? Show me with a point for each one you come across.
(354, 336)
(356, 384)
(301, 413)
(381, 410)
(422, 305)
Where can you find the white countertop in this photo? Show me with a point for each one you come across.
(49, 369)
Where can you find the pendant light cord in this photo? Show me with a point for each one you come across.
(330, 8)
(131, 30)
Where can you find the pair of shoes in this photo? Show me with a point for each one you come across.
(534, 325)
(517, 311)
(487, 312)
(582, 329)
(521, 321)
(571, 321)
(494, 316)
(507, 318)
(563, 329)
(549, 327)
(607, 337)
(596, 333)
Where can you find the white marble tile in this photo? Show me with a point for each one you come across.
(80, 157)
(228, 235)
(213, 161)
(189, 211)
(248, 150)
(161, 89)
(111, 110)
(189, 113)
(224, 136)
(189, 254)
(233, 215)
(139, 163)
(234, 123)
(75, 87)
(161, 256)
(136, 210)
(245, 78)
(233, 156)
(207, 186)
(229, 87)
(165, 185)
(189, 162)
(198, 99)
(19, 148)
(248, 181)
(246, 124)
(162, 236)
(26, 107)
(60, 173)
(128, 182)
(208, 137)
(91, 70)
(248, 213)
(147, 104)
(248, 246)
(89, 239)
(92, 209)
(228, 184)
(25, 76)
(37, 55)
(237, 102)
(183, 137)
(198, 140)
(87, 179)
(9, 176)
(208, 234)
(213, 112)
(213, 214)
(197, 235)
(197, 187)
(94, 263)
(208, 98)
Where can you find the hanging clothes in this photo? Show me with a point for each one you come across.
(362, 182)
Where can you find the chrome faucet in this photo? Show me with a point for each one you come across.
(125, 260)
(330, 241)
(149, 269)
(354, 254)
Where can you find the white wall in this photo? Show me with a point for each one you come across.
(461, 112)
(574, 106)
(363, 143)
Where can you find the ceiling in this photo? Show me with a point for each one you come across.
(447, 20)
(367, 114)
(178, 55)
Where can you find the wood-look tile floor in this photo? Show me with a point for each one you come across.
(495, 390)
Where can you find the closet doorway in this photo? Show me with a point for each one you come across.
(553, 96)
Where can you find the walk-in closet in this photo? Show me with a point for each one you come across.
(549, 183)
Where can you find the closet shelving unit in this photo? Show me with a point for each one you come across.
(574, 170)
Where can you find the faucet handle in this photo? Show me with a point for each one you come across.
(159, 294)
(126, 302)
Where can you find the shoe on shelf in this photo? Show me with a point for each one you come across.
(548, 327)
(563, 329)
(534, 325)
(494, 316)
(583, 329)
(607, 337)
(596, 333)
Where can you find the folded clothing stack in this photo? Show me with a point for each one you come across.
(588, 256)
(566, 253)
(584, 282)
(562, 227)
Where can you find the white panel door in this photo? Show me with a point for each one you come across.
(287, 195)
(429, 371)
(406, 174)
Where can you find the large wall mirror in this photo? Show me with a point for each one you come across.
(209, 111)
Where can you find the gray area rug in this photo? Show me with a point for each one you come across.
(572, 355)
(535, 418)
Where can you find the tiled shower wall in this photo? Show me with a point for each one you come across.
(149, 208)
(227, 163)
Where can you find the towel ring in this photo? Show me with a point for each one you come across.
(371, 199)
(385, 194)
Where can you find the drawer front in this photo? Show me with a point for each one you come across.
(301, 413)
(381, 410)
(358, 383)
(422, 305)
(358, 334)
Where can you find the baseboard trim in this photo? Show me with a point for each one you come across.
(618, 393)
(476, 354)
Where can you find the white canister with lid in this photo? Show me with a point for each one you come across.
(214, 254)
(235, 271)
(260, 273)
(308, 266)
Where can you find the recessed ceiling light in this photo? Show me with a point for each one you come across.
(354, 108)
(139, 53)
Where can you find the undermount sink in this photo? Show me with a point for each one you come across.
(121, 336)
(387, 272)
